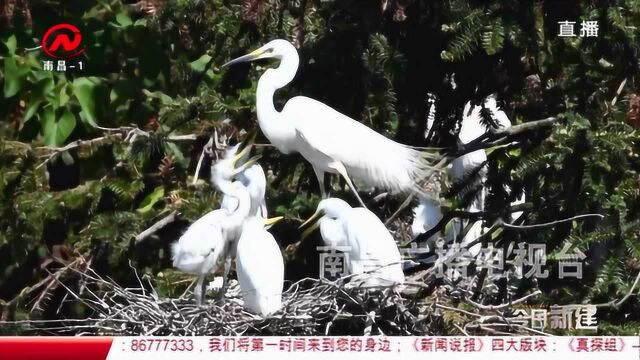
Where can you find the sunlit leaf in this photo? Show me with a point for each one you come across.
(151, 199)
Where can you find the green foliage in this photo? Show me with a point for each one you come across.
(160, 73)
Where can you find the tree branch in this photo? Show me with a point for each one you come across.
(173, 216)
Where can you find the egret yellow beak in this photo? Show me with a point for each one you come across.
(273, 220)
(246, 165)
(309, 230)
(254, 55)
(245, 150)
(313, 219)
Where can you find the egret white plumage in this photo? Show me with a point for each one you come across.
(251, 176)
(520, 200)
(371, 251)
(426, 215)
(497, 114)
(331, 141)
(208, 241)
(260, 266)
(471, 128)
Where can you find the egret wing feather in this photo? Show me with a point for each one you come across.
(200, 248)
(260, 270)
(367, 155)
(373, 246)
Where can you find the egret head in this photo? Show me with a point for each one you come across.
(327, 216)
(275, 49)
(223, 171)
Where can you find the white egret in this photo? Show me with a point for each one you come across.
(252, 177)
(212, 239)
(426, 215)
(331, 141)
(371, 252)
(222, 174)
(498, 115)
(207, 242)
(260, 266)
(471, 128)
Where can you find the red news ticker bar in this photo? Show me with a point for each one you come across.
(54, 347)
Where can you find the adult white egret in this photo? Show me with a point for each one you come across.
(260, 266)
(208, 241)
(331, 141)
(471, 128)
(371, 252)
(497, 114)
(427, 213)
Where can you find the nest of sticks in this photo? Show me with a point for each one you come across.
(310, 307)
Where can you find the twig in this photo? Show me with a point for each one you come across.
(457, 310)
(549, 224)
(500, 136)
(103, 140)
(124, 133)
(506, 305)
(204, 151)
(616, 304)
(173, 216)
(461, 329)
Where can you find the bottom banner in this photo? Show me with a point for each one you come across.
(375, 347)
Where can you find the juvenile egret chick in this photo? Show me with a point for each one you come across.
(260, 267)
(208, 241)
(251, 176)
(225, 169)
(329, 140)
(254, 179)
(369, 247)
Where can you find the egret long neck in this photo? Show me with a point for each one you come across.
(274, 127)
(244, 205)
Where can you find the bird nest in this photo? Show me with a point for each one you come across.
(310, 307)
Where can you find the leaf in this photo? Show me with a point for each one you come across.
(56, 132)
(178, 155)
(604, 63)
(32, 109)
(151, 199)
(42, 88)
(14, 76)
(63, 96)
(123, 19)
(164, 98)
(85, 91)
(493, 38)
(12, 44)
(200, 64)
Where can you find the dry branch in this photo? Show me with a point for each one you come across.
(310, 307)
(160, 224)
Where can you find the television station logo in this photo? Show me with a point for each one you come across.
(62, 43)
